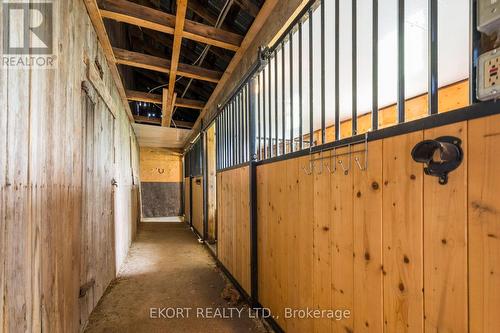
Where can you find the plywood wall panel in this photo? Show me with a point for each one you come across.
(402, 235)
(342, 241)
(322, 237)
(197, 205)
(412, 243)
(187, 199)
(233, 218)
(484, 224)
(445, 243)
(367, 220)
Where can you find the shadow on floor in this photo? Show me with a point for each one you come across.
(168, 269)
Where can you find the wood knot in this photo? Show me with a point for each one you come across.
(358, 194)
(413, 177)
(325, 228)
(375, 186)
(406, 260)
(401, 286)
(444, 241)
(367, 256)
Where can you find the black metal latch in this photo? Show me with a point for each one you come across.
(441, 156)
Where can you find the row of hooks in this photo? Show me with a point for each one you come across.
(333, 160)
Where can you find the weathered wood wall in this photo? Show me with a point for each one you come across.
(44, 255)
(197, 205)
(400, 251)
(233, 218)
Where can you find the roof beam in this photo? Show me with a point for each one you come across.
(202, 11)
(157, 121)
(180, 19)
(140, 60)
(249, 7)
(146, 17)
(139, 96)
(254, 30)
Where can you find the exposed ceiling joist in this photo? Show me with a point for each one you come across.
(132, 13)
(157, 121)
(249, 7)
(180, 19)
(139, 96)
(256, 26)
(202, 11)
(140, 60)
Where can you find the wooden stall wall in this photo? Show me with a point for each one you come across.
(233, 219)
(211, 184)
(197, 205)
(45, 254)
(399, 251)
(187, 199)
(161, 182)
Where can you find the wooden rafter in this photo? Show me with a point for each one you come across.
(140, 96)
(180, 19)
(132, 13)
(256, 26)
(157, 121)
(249, 7)
(140, 60)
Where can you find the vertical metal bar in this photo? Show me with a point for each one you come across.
(233, 132)
(301, 146)
(354, 67)
(276, 100)
(264, 137)
(239, 112)
(475, 44)
(401, 61)
(337, 71)
(226, 141)
(257, 93)
(433, 56)
(254, 284)
(290, 49)
(217, 143)
(270, 117)
(375, 65)
(323, 105)
(247, 120)
(311, 82)
(283, 130)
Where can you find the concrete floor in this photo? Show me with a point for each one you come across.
(168, 268)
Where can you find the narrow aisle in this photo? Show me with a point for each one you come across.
(168, 269)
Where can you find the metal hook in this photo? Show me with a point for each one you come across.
(346, 171)
(321, 163)
(329, 166)
(311, 169)
(311, 165)
(359, 164)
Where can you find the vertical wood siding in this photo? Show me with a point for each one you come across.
(400, 251)
(53, 235)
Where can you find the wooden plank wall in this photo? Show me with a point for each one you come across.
(399, 251)
(212, 184)
(197, 206)
(233, 223)
(41, 189)
(187, 199)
